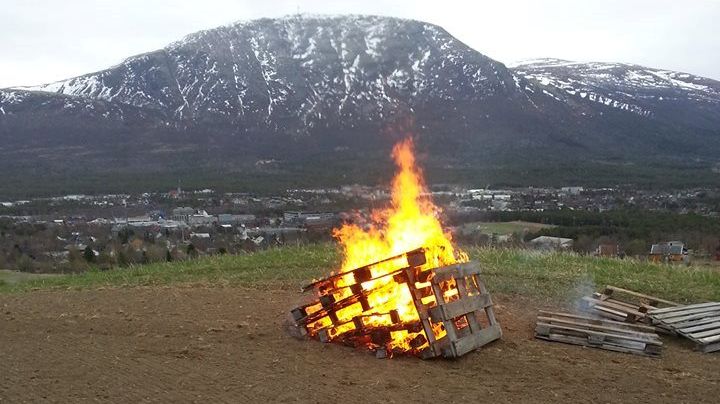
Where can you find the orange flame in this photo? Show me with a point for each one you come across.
(410, 222)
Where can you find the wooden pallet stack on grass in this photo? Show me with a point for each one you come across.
(598, 333)
(625, 305)
(699, 323)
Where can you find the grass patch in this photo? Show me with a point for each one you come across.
(505, 228)
(531, 273)
(279, 265)
(569, 275)
(8, 277)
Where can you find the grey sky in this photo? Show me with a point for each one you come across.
(43, 41)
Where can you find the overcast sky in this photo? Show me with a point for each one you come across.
(43, 41)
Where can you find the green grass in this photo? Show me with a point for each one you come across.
(289, 265)
(505, 228)
(570, 276)
(563, 276)
(8, 277)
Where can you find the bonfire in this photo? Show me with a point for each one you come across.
(403, 286)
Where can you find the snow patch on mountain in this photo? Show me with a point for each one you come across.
(621, 86)
(276, 69)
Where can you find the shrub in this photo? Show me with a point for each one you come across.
(24, 264)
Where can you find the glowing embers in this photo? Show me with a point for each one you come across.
(428, 312)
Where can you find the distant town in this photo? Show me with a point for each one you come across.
(72, 232)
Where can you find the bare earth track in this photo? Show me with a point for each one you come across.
(222, 344)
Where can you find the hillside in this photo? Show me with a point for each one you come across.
(686, 103)
(216, 328)
(317, 92)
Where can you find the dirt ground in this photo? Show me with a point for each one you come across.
(207, 344)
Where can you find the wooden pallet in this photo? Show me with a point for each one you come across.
(620, 304)
(698, 322)
(468, 317)
(459, 301)
(598, 333)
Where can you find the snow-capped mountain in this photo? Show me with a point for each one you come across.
(301, 88)
(652, 93)
(312, 70)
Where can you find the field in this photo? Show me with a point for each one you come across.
(212, 330)
(506, 228)
(8, 277)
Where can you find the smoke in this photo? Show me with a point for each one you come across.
(584, 286)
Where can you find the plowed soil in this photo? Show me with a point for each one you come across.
(214, 344)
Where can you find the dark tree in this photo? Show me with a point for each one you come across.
(191, 250)
(89, 254)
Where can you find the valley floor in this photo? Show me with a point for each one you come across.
(227, 344)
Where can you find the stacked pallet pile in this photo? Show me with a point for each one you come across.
(598, 333)
(699, 323)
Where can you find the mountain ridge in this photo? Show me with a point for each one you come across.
(292, 88)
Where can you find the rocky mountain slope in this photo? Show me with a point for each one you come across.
(673, 97)
(303, 72)
(316, 89)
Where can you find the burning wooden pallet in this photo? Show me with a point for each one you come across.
(429, 312)
(598, 333)
(698, 322)
(623, 305)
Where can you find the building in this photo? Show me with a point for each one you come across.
(572, 190)
(201, 218)
(671, 251)
(293, 217)
(607, 250)
(548, 243)
(227, 218)
(182, 214)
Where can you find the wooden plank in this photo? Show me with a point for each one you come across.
(686, 311)
(641, 295)
(709, 348)
(596, 327)
(671, 309)
(594, 339)
(702, 326)
(672, 317)
(703, 334)
(645, 308)
(489, 310)
(612, 314)
(457, 308)
(690, 317)
(470, 316)
(616, 307)
(474, 341)
(413, 255)
(446, 273)
(691, 323)
(709, 340)
(623, 304)
(639, 327)
(566, 339)
(424, 316)
(649, 339)
(449, 324)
